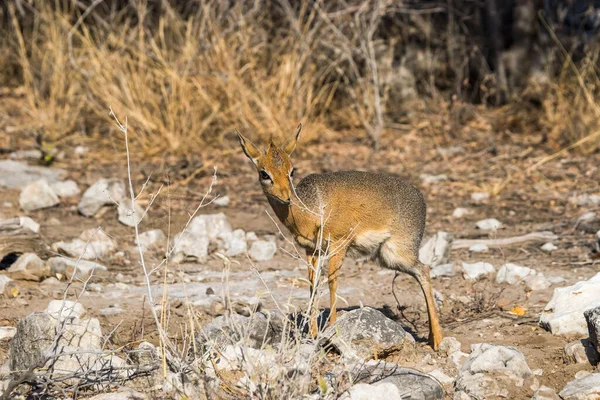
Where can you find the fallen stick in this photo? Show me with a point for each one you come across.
(502, 242)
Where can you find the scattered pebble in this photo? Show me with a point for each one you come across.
(478, 197)
(474, 271)
(549, 247)
(490, 224)
(479, 248)
(222, 201)
(461, 212)
(513, 274)
(65, 188)
(262, 250)
(428, 179)
(37, 195)
(442, 270)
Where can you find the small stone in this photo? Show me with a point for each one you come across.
(129, 217)
(26, 154)
(479, 248)
(111, 311)
(588, 216)
(222, 201)
(122, 394)
(537, 282)
(449, 345)
(580, 352)
(7, 332)
(442, 270)
(474, 271)
(479, 197)
(193, 243)
(50, 281)
(458, 358)
(37, 195)
(585, 200)
(235, 243)
(513, 274)
(586, 388)
(104, 192)
(461, 212)
(442, 377)
(549, 248)
(66, 267)
(80, 150)
(490, 224)
(251, 237)
(436, 249)
(428, 179)
(30, 224)
(65, 188)
(17, 174)
(93, 244)
(153, 238)
(545, 393)
(146, 354)
(61, 309)
(365, 391)
(556, 280)
(262, 250)
(8, 287)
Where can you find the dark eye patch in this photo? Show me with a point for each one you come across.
(292, 171)
(264, 175)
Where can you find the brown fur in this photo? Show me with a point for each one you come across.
(359, 214)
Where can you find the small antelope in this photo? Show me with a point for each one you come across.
(349, 212)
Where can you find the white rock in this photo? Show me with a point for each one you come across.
(152, 238)
(4, 281)
(588, 216)
(190, 247)
(442, 270)
(549, 247)
(545, 393)
(564, 313)
(555, 280)
(80, 150)
(111, 311)
(478, 197)
(122, 394)
(29, 267)
(428, 179)
(17, 174)
(587, 388)
(479, 248)
(365, 391)
(460, 212)
(93, 244)
(537, 282)
(61, 309)
(490, 224)
(7, 332)
(30, 224)
(491, 371)
(202, 230)
(458, 358)
(66, 267)
(512, 274)
(262, 250)
(26, 154)
(104, 192)
(449, 345)
(474, 271)
(37, 195)
(580, 352)
(585, 200)
(222, 201)
(251, 236)
(436, 249)
(442, 377)
(236, 243)
(65, 188)
(129, 217)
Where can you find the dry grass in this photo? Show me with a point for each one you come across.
(187, 78)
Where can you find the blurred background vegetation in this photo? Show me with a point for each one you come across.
(186, 73)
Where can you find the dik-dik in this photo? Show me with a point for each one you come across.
(349, 212)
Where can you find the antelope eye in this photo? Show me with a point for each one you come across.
(292, 171)
(264, 175)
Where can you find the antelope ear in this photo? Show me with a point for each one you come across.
(249, 148)
(291, 144)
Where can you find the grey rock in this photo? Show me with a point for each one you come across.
(17, 174)
(67, 267)
(592, 318)
(37, 332)
(537, 282)
(130, 217)
(492, 370)
(65, 188)
(418, 385)
(222, 201)
(37, 195)
(479, 197)
(449, 345)
(262, 250)
(30, 224)
(93, 244)
(65, 309)
(104, 192)
(256, 330)
(476, 270)
(251, 236)
(479, 248)
(235, 243)
(564, 313)
(441, 377)
(442, 270)
(362, 333)
(461, 212)
(545, 393)
(146, 355)
(193, 243)
(365, 391)
(436, 249)
(153, 238)
(29, 267)
(585, 200)
(587, 388)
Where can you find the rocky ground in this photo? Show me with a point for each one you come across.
(512, 310)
